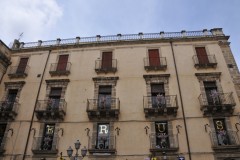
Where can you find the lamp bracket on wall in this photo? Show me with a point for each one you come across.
(205, 127)
(178, 130)
(10, 129)
(88, 130)
(146, 129)
(60, 129)
(117, 129)
(34, 131)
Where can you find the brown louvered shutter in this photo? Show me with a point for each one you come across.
(154, 59)
(106, 60)
(202, 55)
(62, 63)
(22, 65)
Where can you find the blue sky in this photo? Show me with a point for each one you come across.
(51, 19)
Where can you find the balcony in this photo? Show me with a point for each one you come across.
(104, 145)
(163, 143)
(3, 141)
(222, 104)
(160, 105)
(101, 68)
(98, 109)
(208, 61)
(225, 141)
(8, 110)
(59, 69)
(16, 72)
(42, 145)
(51, 109)
(154, 64)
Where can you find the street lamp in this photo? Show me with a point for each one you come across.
(77, 147)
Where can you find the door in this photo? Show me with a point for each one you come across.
(106, 60)
(22, 66)
(48, 135)
(202, 55)
(54, 98)
(12, 94)
(158, 96)
(104, 97)
(221, 132)
(162, 137)
(212, 94)
(154, 59)
(62, 63)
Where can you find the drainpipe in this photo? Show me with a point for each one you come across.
(40, 85)
(180, 94)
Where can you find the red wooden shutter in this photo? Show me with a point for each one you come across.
(154, 59)
(202, 55)
(107, 60)
(22, 65)
(62, 63)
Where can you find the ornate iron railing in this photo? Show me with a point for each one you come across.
(8, 110)
(224, 138)
(40, 145)
(102, 144)
(163, 142)
(157, 64)
(205, 61)
(60, 68)
(106, 104)
(116, 38)
(99, 67)
(153, 102)
(15, 71)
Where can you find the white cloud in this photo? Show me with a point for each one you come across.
(35, 18)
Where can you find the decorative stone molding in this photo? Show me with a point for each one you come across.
(57, 83)
(13, 85)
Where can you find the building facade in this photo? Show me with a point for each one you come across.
(125, 97)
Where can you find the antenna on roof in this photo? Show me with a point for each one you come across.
(20, 36)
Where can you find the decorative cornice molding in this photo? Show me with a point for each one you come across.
(105, 78)
(156, 76)
(56, 80)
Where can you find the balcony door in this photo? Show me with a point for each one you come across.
(221, 132)
(48, 135)
(22, 66)
(106, 60)
(154, 59)
(2, 132)
(11, 97)
(158, 95)
(103, 136)
(54, 98)
(202, 55)
(162, 137)
(212, 93)
(104, 97)
(62, 63)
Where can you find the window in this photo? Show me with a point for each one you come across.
(12, 94)
(221, 132)
(62, 63)
(48, 135)
(106, 60)
(54, 98)
(202, 55)
(22, 66)
(154, 59)
(212, 93)
(158, 95)
(2, 132)
(104, 97)
(103, 136)
(162, 137)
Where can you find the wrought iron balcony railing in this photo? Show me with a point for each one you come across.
(51, 109)
(224, 140)
(45, 145)
(18, 72)
(222, 103)
(160, 105)
(205, 61)
(102, 144)
(100, 67)
(3, 141)
(163, 143)
(155, 63)
(8, 110)
(57, 69)
(107, 108)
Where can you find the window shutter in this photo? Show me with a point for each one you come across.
(202, 55)
(106, 60)
(94, 136)
(62, 63)
(112, 137)
(172, 137)
(154, 59)
(152, 135)
(56, 91)
(22, 65)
